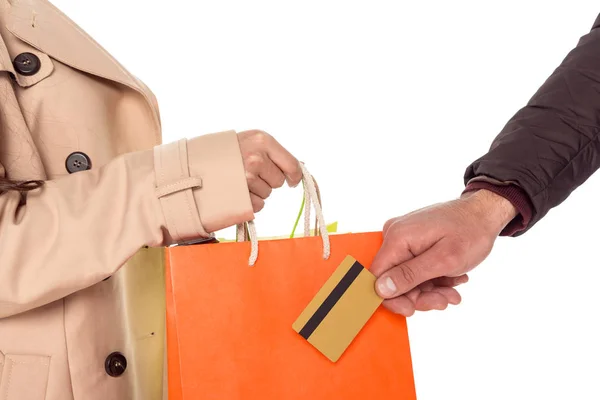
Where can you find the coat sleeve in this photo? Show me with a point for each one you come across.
(75, 231)
(551, 145)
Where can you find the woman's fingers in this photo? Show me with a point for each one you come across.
(267, 164)
(272, 175)
(257, 203)
(258, 186)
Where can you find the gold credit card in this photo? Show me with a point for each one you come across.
(340, 309)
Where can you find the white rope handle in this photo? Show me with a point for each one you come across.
(310, 197)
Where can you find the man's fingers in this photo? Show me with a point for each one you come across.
(449, 293)
(400, 305)
(451, 281)
(272, 175)
(388, 224)
(285, 161)
(401, 278)
(435, 294)
(432, 298)
(413, 295)
(391, 253)
(431, 301)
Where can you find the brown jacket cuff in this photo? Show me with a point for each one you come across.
(516, 196)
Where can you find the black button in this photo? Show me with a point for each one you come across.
(27, 64)
(78, 161)
(115, 364)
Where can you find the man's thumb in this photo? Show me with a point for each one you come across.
(401, 278)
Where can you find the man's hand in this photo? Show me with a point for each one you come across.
(268, 165)
(428, 252)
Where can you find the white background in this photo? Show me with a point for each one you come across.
(388, 102)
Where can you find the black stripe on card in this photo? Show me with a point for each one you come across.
(331, 300)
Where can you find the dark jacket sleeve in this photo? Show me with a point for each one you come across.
(551, 146)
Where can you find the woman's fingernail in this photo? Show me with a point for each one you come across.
(387, 287)
(289, 182)
(463, 279)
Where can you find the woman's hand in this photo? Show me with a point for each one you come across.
(268, 165)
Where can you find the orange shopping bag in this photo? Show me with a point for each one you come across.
(229, 325)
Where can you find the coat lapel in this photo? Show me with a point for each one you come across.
(43, 26)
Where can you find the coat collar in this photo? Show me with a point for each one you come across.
(46, 28)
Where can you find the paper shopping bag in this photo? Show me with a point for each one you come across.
(230, 329)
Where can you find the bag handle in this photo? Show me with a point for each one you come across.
(312, 196)
(316, 230)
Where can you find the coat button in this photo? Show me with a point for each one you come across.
(78, 161)
(27, 64)
(115, 364)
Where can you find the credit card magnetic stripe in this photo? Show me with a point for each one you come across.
(331, 300)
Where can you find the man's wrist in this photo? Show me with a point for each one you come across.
(495, 210)
(513, 193)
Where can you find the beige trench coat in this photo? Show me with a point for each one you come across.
(81, 297)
